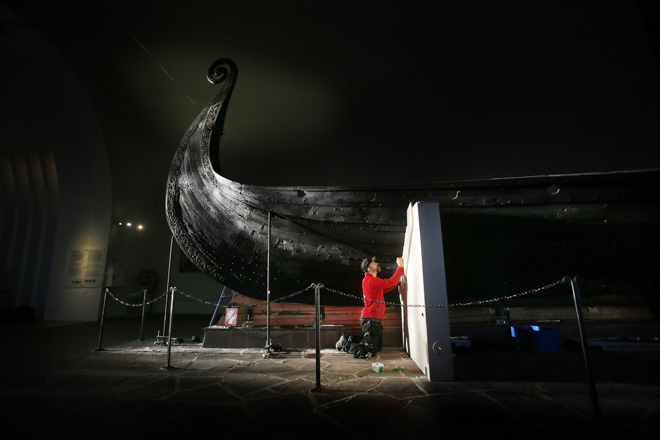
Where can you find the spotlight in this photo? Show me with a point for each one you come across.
(138, 226)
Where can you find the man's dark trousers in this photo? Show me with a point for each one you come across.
(372, 330)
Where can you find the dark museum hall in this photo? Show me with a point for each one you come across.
(508, 150)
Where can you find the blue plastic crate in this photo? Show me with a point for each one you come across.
(544, 339)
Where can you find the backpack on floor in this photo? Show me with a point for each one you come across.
(352, 344)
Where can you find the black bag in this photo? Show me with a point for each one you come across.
(352, 344)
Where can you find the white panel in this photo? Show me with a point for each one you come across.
(428, 335)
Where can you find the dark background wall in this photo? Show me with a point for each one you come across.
(443, 92)
(55, 186)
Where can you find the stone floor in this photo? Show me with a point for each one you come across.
(54, 381)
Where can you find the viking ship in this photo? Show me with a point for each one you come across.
(261, 239)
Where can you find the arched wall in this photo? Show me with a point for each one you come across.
(55, 186)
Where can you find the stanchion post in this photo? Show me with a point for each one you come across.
(144, 304)
(317, 296)
(585, 348)
(105, 299)
(268, 341)
(169, 333)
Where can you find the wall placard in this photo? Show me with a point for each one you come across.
(84, 268)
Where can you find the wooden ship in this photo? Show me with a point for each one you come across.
(260, 239)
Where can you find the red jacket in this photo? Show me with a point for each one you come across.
(373, 289)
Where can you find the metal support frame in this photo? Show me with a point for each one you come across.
(317, 297)
(169, 268)
(269, 344)
(268, 341)
(169, 334)
(217, 306)
(585, 348)
(144, 305)
(105, 300)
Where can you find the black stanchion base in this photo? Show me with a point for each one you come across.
(100, 349)
(317, 390)
(168, 367)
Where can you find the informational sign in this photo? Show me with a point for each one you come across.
(231, 317)
(85, 268)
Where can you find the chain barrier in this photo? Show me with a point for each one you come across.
(235, 306)
(245, 306)
(134, 304)
(358, 298)
(317, 287)
(461, 304)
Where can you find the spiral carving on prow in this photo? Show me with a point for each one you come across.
(220, 70)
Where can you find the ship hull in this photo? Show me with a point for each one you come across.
(255, 239)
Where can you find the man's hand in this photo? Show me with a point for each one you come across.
(399, 261)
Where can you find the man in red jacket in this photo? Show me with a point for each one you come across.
(374, 307)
